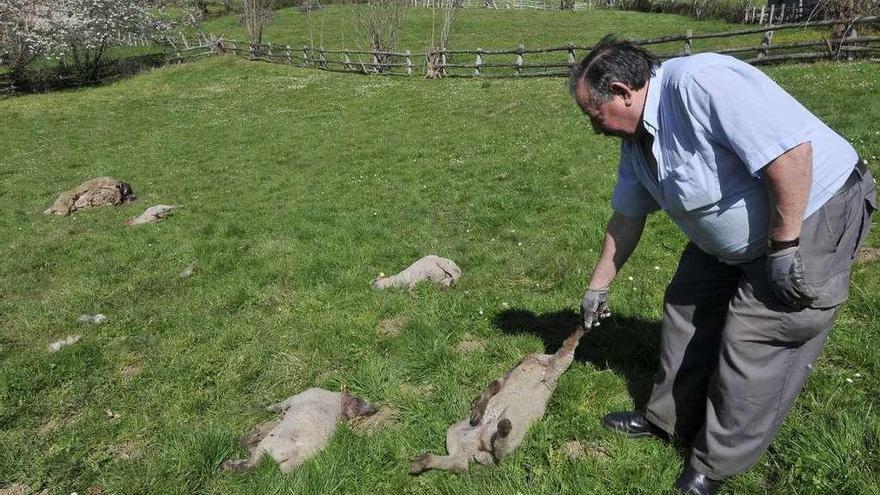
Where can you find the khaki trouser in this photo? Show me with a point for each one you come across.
(733, 357)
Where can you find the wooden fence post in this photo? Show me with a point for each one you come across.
(772, 12)
(270, 52)
(375, 61)
(519, 59)
(850, 33)
(346, 60)
(782, 14)
(763, 9)
(571, 60)
(478, 63)
(689, 42)
(288, 54)
(409, 66)
(765, 44)
(322, 59)
(305, 56)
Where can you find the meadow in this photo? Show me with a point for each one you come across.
(298, 188)
(335, 27)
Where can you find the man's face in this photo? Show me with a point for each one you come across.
(613, 117)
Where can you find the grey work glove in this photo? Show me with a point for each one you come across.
(785, 270)
(594, 307)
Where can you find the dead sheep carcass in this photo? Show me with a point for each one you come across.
(431, 268)
(153, 214)
(101, 191)
(309, 420)
(503, 413)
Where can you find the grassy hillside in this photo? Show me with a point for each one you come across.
(298, 187)
(336, 26)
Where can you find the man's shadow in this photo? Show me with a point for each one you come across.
(627, 346)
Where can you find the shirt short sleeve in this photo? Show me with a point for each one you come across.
(630, 198)
(743, 109)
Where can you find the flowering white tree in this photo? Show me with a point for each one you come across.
(25, 32)
(84, 29)
(75, 32)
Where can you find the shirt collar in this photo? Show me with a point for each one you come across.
(652, 101)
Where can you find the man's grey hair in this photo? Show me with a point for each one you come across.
(611, 61)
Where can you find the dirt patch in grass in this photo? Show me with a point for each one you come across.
(391, 327)
(471, 344)
(131, 371)
(575, 450)
(386, 416)
(867, 254)
(126, 450)
(15, 489)
(53, 424)
(425, 390)
(48, 427)
(20, 489)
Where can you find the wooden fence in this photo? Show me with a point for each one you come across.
(780, 13)
(557, 61)
(503, 4)
(752, 13)
(178, 56)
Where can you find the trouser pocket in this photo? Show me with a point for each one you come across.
(801, 326)
(870, 193)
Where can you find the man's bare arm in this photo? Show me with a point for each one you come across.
(621, 237)
(788, 180)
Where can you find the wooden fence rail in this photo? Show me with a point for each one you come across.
(555, 61)
(748, 13)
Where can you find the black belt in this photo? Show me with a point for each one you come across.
(855, 177)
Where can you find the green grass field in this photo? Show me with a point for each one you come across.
(298, 187)
(336, 27)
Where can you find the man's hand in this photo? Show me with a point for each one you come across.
(594, 307)
(785, 270)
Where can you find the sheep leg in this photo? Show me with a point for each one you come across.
(565, 355)
(480, 403)
(425, 462)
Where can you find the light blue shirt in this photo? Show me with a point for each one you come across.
(717, 122)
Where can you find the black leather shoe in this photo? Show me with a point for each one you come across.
(693, 483)
(633, 424)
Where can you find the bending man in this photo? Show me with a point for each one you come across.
(775, 205)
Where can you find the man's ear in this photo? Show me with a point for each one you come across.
(622, 90)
